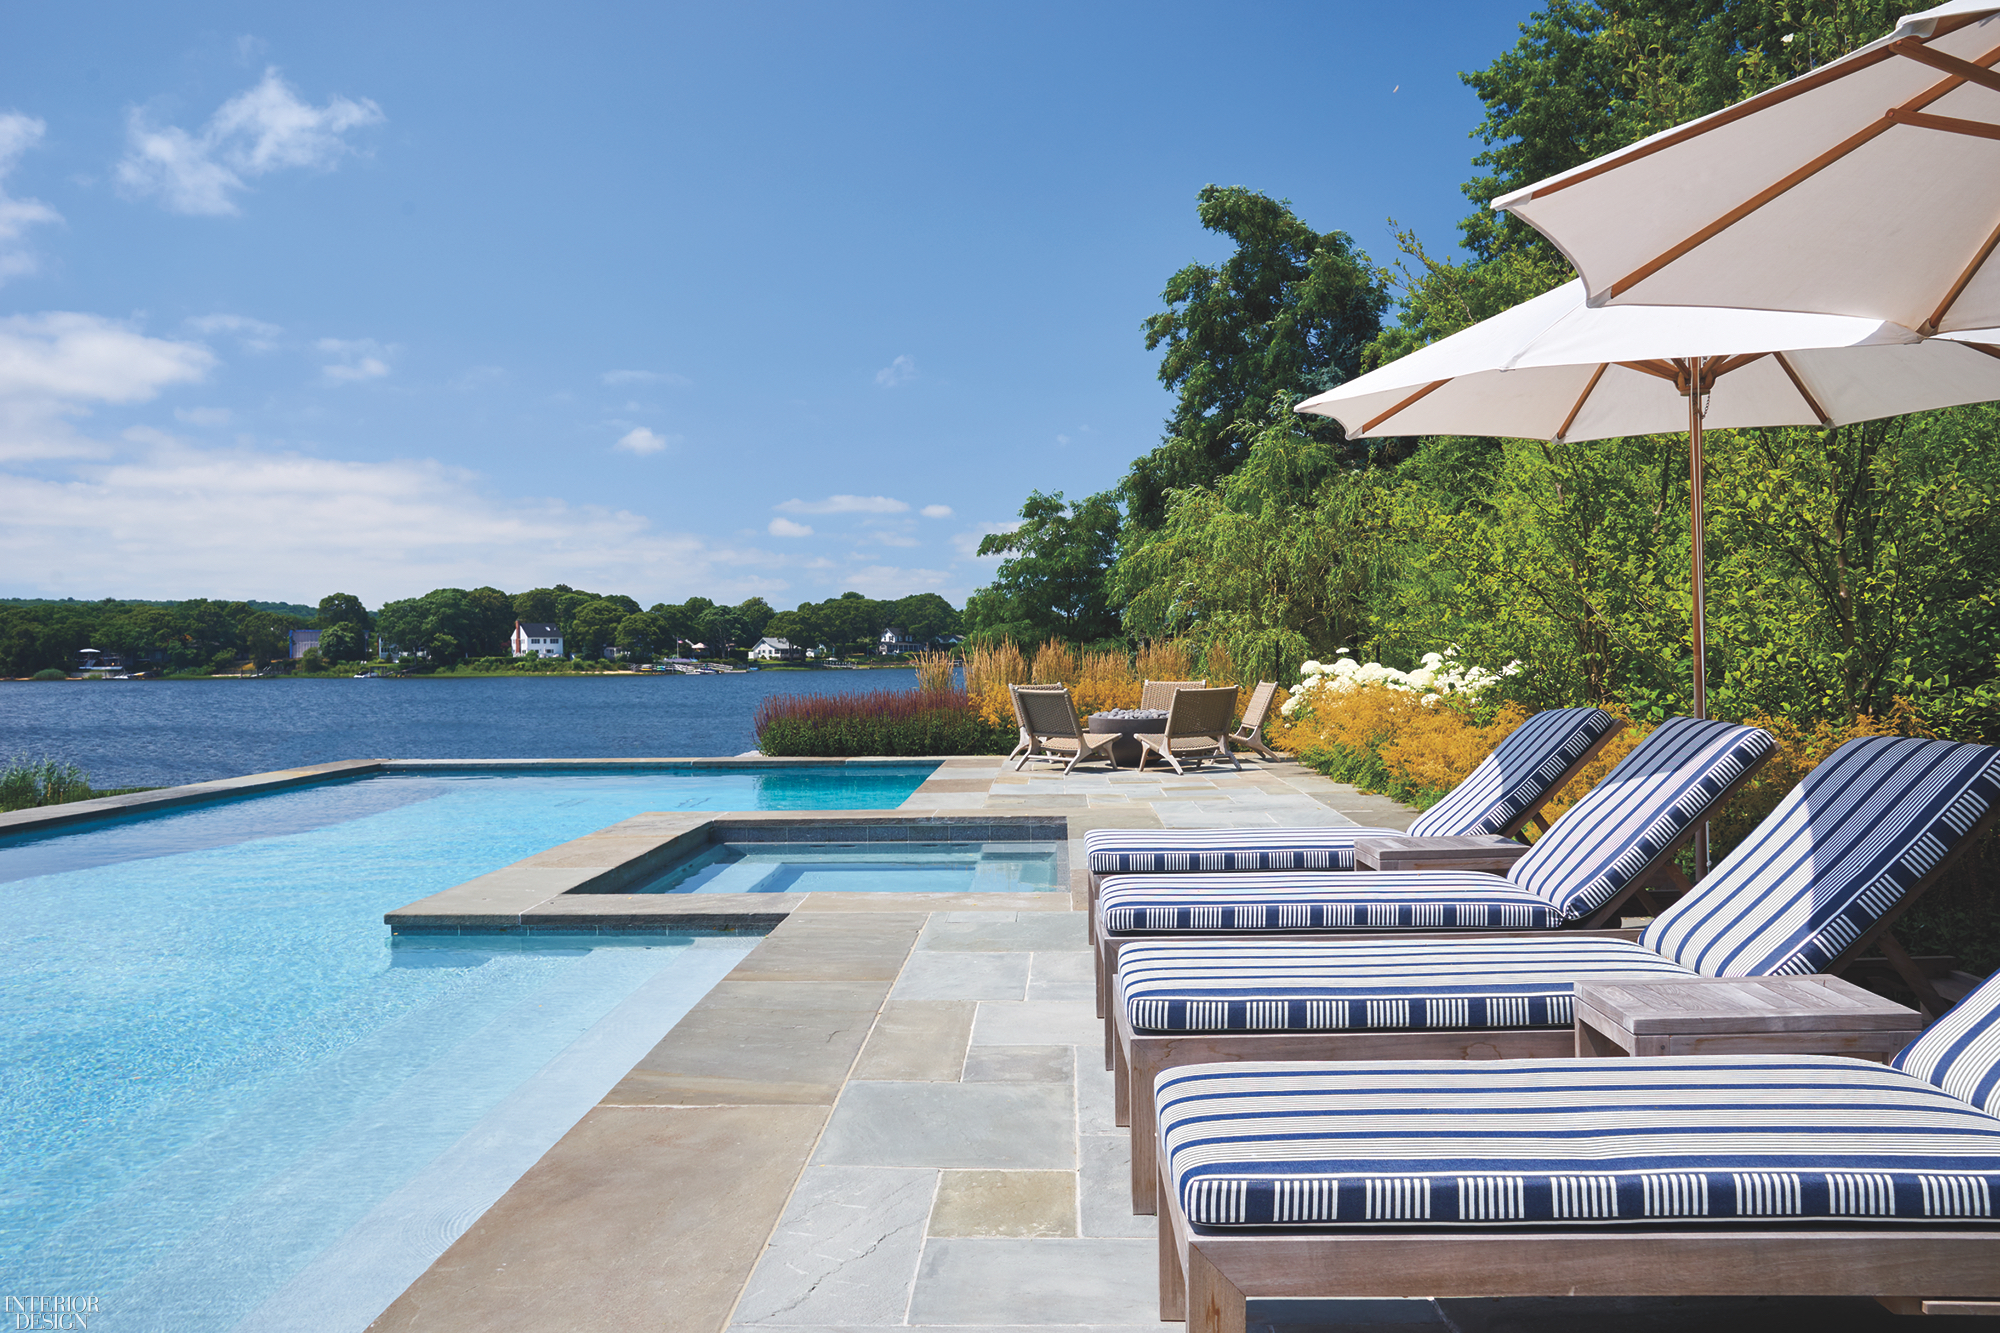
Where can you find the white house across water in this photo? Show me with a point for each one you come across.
(533, 639)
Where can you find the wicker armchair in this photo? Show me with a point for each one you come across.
(1021, 718)
(1197, 728)
(1051, 729)
(1160, 693)
(1250, 732)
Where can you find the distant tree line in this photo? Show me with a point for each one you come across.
(446, 625)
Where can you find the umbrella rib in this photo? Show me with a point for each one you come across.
(1958, 288)
(1729, 363)
(1785, 184)
(1657, 369)
(1432, 387)
(1804, 392)
(1983, 347)
(1914, 49)
(1979, 129)
(1562, 431)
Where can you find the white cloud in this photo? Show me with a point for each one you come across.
(203, 416)
(18, 133)
(1062, 440)
(897, 373)
(892, 581)
(784, 527)
(264, 129)
(891, 539)
(254, 334)
(641, 441)
(967, 543)
(846, 504)
(616, 377)
(936, 511)
(360, 359)
(54, 366)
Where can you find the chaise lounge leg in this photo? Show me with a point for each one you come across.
(1121, 1086)
(1214, 1304)
(1173, 1282)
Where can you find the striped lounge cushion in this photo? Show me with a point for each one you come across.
(1518, 776)
(1318, 900)
(1308, 985)
(1843, 847)
(1755, 1140)
(1961, 1051)
(1640, 808)
(1128, 851)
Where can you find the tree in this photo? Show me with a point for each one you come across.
(753, 615)
(595, 624)
(1289, 312)
(266, 636)
(343, 642)
(344, 609)
(924, 616)
(1055, 583)
(1280, 562)
(492, 623)
(440, 624)
(540, 606)
(642, 635)
(719, 628)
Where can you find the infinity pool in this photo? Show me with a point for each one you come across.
(226, 1099)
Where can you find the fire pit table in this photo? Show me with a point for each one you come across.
(1127, 723)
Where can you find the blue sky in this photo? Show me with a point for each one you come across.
(778, 299)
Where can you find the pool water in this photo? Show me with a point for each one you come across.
(846, 867)
(226, 1098)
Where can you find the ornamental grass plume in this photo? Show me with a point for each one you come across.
(1055, 664)
(936, 672)
(989, 669)
(1104, 680)
(1165, 659)
(1217, 665)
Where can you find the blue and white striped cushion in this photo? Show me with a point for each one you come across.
(1308, 985)
(1755, 1140)
(1961, 1051)
(1128, 851)
(1518, 776)
(1643, 805)
(1321, 900)
(1842, 848)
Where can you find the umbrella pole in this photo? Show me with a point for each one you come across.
(1697, 367)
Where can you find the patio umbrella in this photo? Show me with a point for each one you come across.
(1869, 187)
(1555, 368)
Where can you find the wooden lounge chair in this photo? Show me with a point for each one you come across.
(1500, 797)
(1197, 728)
(1677, 1176)
(1250, 731)
(1159, 694)
(1602, 854)
(1027, 742)
(1049, 719)
(1808, 891)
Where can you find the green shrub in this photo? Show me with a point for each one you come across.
(27, 783)
(50, 673)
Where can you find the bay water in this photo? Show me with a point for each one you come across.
(154, 733)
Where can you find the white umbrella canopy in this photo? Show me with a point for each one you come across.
(1556, 368)
(1869, 187)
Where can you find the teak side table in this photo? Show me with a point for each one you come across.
(1481, 852)
(1816, 1015)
